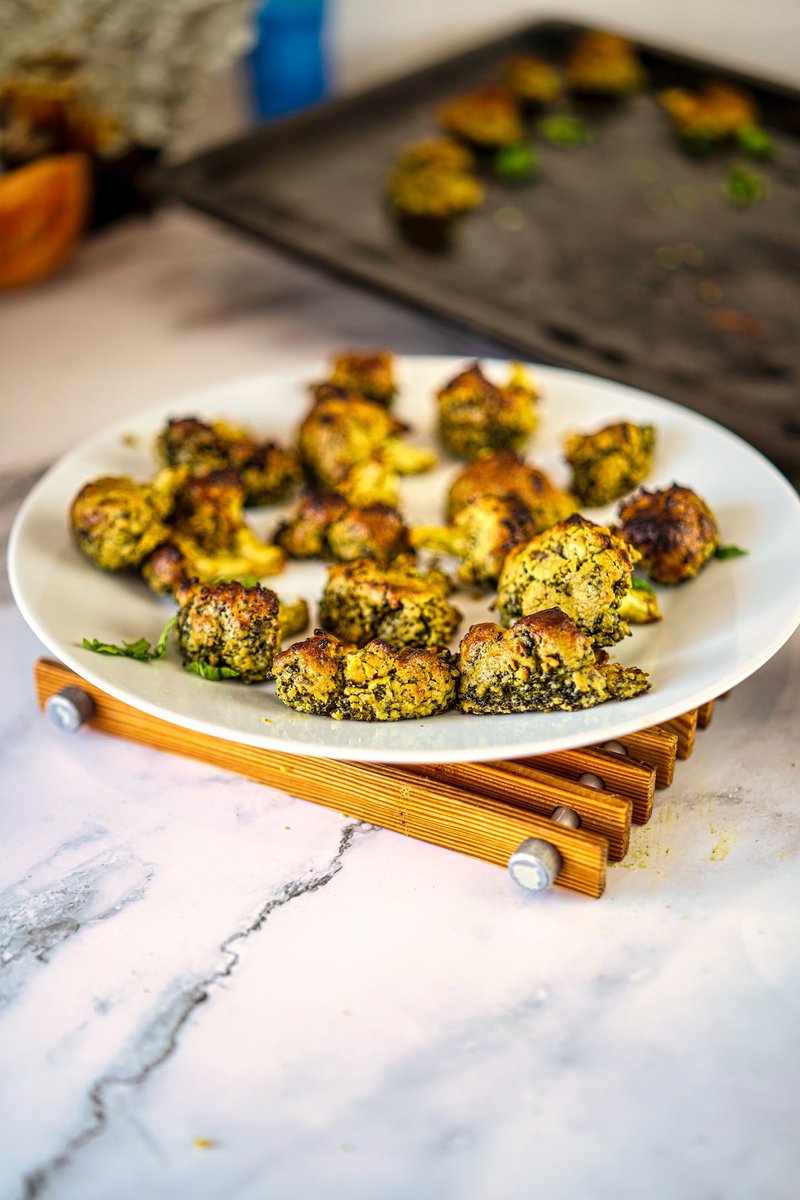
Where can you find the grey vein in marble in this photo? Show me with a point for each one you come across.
(159, 1040)
(60, 896)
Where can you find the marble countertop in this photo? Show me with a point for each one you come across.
(211, 990)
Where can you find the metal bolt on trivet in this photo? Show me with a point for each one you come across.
(535, 863)
(69, 709)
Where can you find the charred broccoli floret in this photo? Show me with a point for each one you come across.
(434, 181)
(577, 566)
(476, 415)
(710, 116)
(369, 374)
(544, 662)
(609, 463)
(324, 526)
(503, 473)
(268, 471)
(487, 118)
(532, 80)
(117, 522)
(400, 604)
(322, 676)
(673, 530)
(305, 533)
(341, 433)
(227, 625)
(209, 537)
(481, 534)
(604, 64)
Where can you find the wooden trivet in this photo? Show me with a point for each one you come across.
(486, 810)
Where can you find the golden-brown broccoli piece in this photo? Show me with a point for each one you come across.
(481, 534)
(293, 617)
(305, 533)
(609, 463)
(476, 415)
(577, 566)
(503, 473)
(543, 663)
(673, 530)
(342, 432)
(532, 80)
(209, 538)
(369, 374)
(227, 625)
(400, 604)
(324, 526)
(117, 522)
(322, 676)
(268, 471)
(604, 64)
(640, 604)
(487, 118)
(440, 153)
(710, 116)
(375, 531)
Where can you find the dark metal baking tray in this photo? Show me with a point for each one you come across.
(624, 259)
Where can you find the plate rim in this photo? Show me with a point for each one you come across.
(261, 739)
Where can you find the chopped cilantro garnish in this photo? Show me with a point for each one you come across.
(641, 585)
(513, 163)
(730, 552)
(743, 187)
(141, 650)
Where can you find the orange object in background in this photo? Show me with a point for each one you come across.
(43, 211)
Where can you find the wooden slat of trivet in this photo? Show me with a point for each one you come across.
(656, 746)
(686, 729)
(621, 774)
(704, 714)
(526, 787)
(391, 797)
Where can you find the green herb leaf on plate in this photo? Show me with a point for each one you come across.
(642, 585)
(140, 650)
(730, 552)
(207, 670)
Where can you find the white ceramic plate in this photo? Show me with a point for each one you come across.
(716, 631)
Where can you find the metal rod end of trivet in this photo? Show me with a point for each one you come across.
(535, 863)
(69, 709)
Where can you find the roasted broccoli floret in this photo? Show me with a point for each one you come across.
(481, 534)
(322, 676)
(117, 522)
(227, 625)
(268, 471)
(532, 80)
(674, 531)
(710, 116)
(324, 526)
(542, 663)
(609, 463)
(503, 473)
(487, 118)
(640, 604)
(293, 618)
(476, 415)
(369, 374)
(604, 64)
(577, 566)
(434, 181)
(209, 537)
(400, 604)
(341, 433)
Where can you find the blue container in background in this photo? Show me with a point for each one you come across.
(288, 63)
